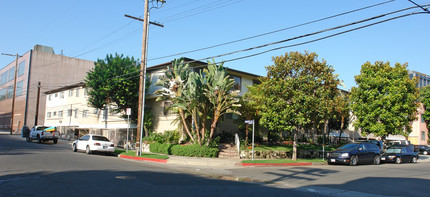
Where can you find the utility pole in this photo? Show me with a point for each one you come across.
(141, 107)
(37, 104)
(14, 92)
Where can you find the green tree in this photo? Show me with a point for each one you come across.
(115, 80)
(385, 101)
(297, 93)
(248, 108)
(173, 82)
(425, 100)
(219, 91)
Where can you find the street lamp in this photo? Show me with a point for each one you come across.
(14, 91)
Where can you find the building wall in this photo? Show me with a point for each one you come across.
(419, 134)
(7, 76)
(76, 112)
(53, 71)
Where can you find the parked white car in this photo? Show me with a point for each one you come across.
(93, 143)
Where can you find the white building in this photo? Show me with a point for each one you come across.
(67, 108)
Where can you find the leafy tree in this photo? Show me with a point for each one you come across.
(425, 100)
(173, 82)
(297, 93)
(385, 101)
(219, 92)
(199, 96)
(249, 108)
(341, 110)
(114, 80)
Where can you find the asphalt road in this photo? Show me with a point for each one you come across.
(31, 169)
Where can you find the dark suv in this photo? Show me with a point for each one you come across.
(355, 153)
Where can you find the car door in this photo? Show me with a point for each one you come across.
(406, 154)
(363, 154)
(82, 142)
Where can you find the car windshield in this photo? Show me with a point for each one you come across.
(349, 146)
(393, 150)
(100, 138)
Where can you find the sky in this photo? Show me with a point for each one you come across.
(91, 29)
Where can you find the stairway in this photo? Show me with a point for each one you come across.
(228, 151)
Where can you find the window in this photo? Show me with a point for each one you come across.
(76, 113)
(422, 118)
(166, 110)
(77, 92)
(69, 112)
(11, 74)
(19, 88)
(56, 95)
(48, 114)
(62, 95)
(237, 82)
(49, 97)
(70, 92)
(54, 113)
(423, 136)
(85, 91)
(2, 94)
(3, 78)
(60, 114)
(21, 68)
(9, 92)
(85, 114)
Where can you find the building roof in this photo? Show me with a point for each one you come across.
(164, 65)
(80, 84)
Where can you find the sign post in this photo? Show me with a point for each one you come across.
(251, 122)
(128, 112)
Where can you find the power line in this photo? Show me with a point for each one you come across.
(272, 32)
(306, 35)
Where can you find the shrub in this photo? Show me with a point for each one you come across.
(160, 148)
(194, 150)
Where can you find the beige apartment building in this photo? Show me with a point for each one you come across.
(38, 65)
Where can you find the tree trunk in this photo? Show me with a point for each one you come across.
(184, 122)
(294, 157)
(213, 127)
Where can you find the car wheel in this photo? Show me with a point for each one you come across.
(87, 150)
(74, 148)
(55, 141)
(354, 161)
(38, 139)
(414, 160)
(425, 152)
(377, 160)
(398, 160)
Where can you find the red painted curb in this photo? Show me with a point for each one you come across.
(276, 164)
(144, 159)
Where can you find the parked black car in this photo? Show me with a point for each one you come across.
(423, 149)
(399, 154)
(355, 153)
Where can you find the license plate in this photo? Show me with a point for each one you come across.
(383, 158)
(333, 160)
(104, 147)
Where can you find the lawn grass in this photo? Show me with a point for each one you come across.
(284, 161)
(144, 155)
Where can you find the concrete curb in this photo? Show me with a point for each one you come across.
(276, 164)
(143, 159)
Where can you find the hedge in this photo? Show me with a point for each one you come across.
(194, 150)
(160, 148)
